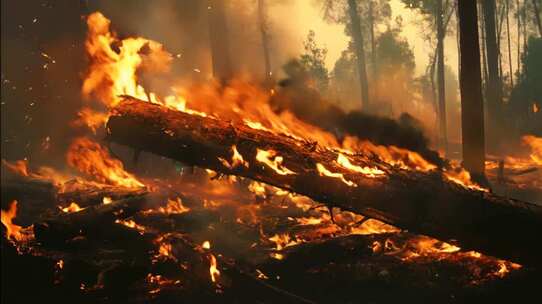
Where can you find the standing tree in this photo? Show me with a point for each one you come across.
(262, 20)
(494, 86)
(440, 77)
(357, 38)
(219, 41)
(472, 108)
(536, 11)
(438, 14)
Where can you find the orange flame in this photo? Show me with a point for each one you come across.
(323, 171)
(18, 167)
(174, 207)
(536, 147)
(90, 118)
(90, 158)
(213, 270)
(236, 159)
(270, 158)
(15, 232)
(73, 207)
(282, 241)
(344, 162)
(131, 224)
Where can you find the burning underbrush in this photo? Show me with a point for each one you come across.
(102, 233)
(200, 236)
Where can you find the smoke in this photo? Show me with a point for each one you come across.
(182, 26)
(306, 103)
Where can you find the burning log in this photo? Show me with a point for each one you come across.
(96, 220)
(422, 202)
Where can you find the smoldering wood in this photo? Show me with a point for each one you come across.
(424, 203)
(83, 193)
(97, 221)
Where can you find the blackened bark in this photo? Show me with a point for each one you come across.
(422, 202)
(440, 78)
(494, 87)
(472, 108)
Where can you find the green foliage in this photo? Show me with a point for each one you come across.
(313, 61)
(394, 52)
(336, 11)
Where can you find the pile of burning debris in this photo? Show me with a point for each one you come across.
(283, 212)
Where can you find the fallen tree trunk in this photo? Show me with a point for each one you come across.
(425, 203)
(91, 222)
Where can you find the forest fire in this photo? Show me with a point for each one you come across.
(224, 189)
(13, 231)
(90, 158)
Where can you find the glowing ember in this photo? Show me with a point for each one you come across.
(236, 159)
(73, 207)
(325, 172)
(270, 158)
(213, 270)
(257, 188)
(91, 158)
(15, 232)
(107, 200)
(344, 162)
(174, 207)
(131, 224)
(206, 245)
(373, 226)
(282, 241)
(462, 177)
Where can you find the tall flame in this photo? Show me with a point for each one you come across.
(536, 147)
(14, 232)
(90, 158)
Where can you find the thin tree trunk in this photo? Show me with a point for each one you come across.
(265, 40)
(500, 21)
(218, 34)
(457, 42)
(493, 89)
(536, 12)
(483, 43)
(373, 50)
(524, 17)
(440, 78)
(519, 37)
(472, 107)
(360, 52)
(509, 44)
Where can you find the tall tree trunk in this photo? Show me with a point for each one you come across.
(500, 21)
(472, 107)
(524, 17)
(440, 78)
(536, 11)
(483, 44)
(265, 40)
(218, 35)
(494, 88)
(360, 52)
(373, 49)
(518, 12)
(509, 44)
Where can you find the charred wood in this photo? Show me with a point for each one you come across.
(425, 203)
